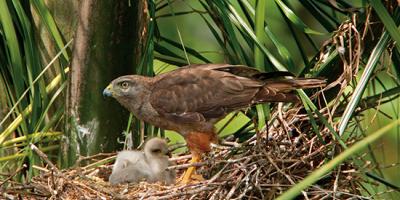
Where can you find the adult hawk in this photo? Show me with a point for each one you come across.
(191, 99)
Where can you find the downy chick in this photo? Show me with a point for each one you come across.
(150, 165)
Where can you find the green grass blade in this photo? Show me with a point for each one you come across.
(188, 49)
(320, 15)
(227, 51)
(162, 67)
(45, 111)
(26, 153)
(15, 104)
(18, 120)
(365, 77)
(170, 59)
(375, 99)
(166, 51)
(295, 19)
(282, 50)
(262, 110)
(35, 136)
(313, 122)
(244, 6)
(327, 62)
(294, 191)
(33, 64)
(48, 20)
(235, 16)
(179, 33)
(310, 104)
(54, 120)
(229, 28)
(387, 20)
(13, 51)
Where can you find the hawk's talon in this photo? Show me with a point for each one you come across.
(190, 175)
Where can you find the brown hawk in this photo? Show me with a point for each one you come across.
(191, 99)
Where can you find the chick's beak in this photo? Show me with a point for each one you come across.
(169, 153)
(108, 91)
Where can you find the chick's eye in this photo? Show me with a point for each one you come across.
(156, 151)
(124, 85)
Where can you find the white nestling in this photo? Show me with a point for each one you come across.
(150, 165)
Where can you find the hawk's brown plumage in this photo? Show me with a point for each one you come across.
(191, 99)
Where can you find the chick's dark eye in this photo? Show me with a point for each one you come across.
(124, 85)
(156, 150)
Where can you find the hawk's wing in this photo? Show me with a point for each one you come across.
(203, 92)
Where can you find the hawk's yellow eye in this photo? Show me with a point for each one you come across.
(125, 85)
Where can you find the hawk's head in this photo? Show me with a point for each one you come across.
(128, 89)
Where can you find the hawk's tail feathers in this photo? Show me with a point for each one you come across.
(282, 90)
(284, 85)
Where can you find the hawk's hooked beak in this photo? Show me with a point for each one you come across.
(108, 91)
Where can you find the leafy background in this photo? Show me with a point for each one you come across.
(268, 35)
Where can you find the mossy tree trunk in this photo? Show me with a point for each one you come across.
(107, 44)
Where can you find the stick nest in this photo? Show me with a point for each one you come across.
(261, 167)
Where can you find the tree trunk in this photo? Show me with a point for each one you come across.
(107, 44)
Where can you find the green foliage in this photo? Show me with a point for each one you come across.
(308, 38)
(30, 92)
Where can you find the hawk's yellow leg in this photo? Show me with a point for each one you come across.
(189, 174)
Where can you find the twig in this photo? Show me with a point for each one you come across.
(40, 168)
(233, 188)
(180, 158)
(283, 173)
(217, 146)
(186, 193)
(184, 166)
(176, 146)
(234, 144)
(100, 162)
(44, 157)
(82, 158)
(335, 185)
(13, 174)
(179, 188)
